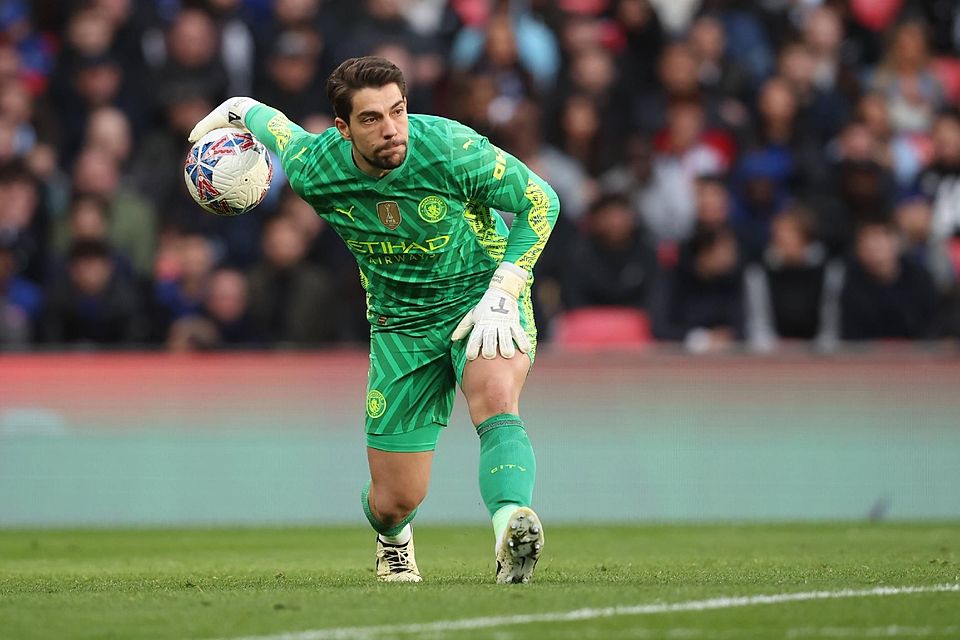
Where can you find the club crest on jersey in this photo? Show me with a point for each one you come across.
(389, 214)
(432, 209)
(376, 404)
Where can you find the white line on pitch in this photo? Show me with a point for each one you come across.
(576, 615)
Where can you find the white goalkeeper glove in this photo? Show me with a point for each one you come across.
(495, 321)
(229, 114)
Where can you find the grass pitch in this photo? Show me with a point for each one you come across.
(229, 583)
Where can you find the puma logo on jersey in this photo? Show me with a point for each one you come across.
(346, 212)
(466, 145)
(303, 150)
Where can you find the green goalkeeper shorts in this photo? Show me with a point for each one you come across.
(412, 383)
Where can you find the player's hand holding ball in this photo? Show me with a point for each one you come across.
(227, 171)
(495, 322)
(230, 113)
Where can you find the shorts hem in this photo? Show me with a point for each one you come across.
(416, 440)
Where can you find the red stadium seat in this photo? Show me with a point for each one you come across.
(591, 327)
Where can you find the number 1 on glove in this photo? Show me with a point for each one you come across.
(494, 324)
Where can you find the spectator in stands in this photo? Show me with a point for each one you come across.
(108, 128)
(21, 301)
(823, 33)
(760, 190)
(884, 294)
(940, 182)
(859, 188)
(327, 252)
(638, 25)
(23, 220)
(292, 81)
(699, 302)
(613, 262)
(88, 218)
(292, 301)
(581, 132)
(913, 217)
(778, 134)
(181, 290)
(227, 306)
(237, 48)
(193, 57)
(722, 79)
(522, 135)
(681, 155)
(133, 222)
(499, 59)
(903, 154)
(712, 203)
(93, 304)
(822, 108)
(679, 83)
(632, 176)
(16, 111)
(793, 290)
(905, 78)
(512, 45)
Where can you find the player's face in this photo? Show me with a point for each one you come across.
(377, 129)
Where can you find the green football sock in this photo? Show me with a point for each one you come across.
(378, 526)
(508, 468)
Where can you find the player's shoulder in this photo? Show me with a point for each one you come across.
(440, 139)
(313, 162)
(318, 150)
(325, 140)
(439, 128)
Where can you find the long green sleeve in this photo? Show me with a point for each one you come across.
(282, 136)
(494, 178)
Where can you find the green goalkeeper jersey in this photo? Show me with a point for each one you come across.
(425, 235)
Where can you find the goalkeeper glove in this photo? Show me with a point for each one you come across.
(229, 114)
(495, 321)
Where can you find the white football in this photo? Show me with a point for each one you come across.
(228, 172)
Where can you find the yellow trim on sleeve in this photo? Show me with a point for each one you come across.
(537, 219)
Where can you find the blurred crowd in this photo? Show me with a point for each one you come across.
(736, 173)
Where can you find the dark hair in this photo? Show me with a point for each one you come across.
(84, 249)
(606, 201)
(101, 203)
(875, 222)
(704, 240)
(803, 218)
(354, 74)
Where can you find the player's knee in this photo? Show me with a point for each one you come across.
(393, 507)
(494, 396)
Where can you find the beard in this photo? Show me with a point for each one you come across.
(389, 157)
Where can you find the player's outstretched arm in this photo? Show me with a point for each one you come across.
(268, 125)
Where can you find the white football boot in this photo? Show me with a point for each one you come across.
(520, 547)
(396, 562)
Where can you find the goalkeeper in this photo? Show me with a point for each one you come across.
(448, 292)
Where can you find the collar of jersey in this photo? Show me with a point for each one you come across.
(347, 151)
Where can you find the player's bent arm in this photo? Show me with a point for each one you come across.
(499, 180)
(495, 178)
(533, 223)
